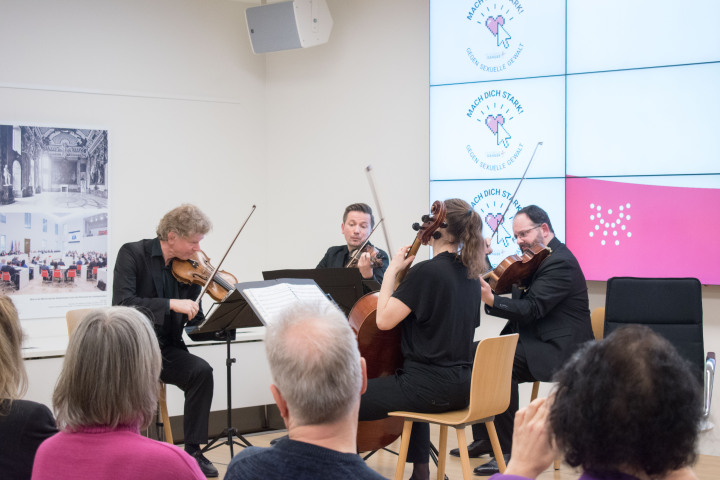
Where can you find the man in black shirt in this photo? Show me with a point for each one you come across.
(552, 317)
(358, 222)
(143, 278)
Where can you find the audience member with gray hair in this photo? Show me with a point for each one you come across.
(23, 424)
(106, 393)
(318, 377)
(624, 408)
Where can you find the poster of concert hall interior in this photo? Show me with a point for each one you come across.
(53, 218)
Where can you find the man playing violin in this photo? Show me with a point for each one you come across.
(358, 222)
(143, 278)
(552, 316)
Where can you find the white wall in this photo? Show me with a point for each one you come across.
(194, 117)
(176, 85)
(361, 99)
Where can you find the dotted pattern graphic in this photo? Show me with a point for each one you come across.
(610, 227)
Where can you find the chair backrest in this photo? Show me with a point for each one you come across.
(491, 376)
(73, 317)
(597, 317)
(672, 307)
(6, 276)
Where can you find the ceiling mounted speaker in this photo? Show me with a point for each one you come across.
(288, 25)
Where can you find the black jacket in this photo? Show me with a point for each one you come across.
(552, 316)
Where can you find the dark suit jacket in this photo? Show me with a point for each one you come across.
(338, 257)
(552, 316)
(22, 430)
(138, 282)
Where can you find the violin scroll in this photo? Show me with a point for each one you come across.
(429, 229)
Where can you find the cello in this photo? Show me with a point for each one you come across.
(381, 348)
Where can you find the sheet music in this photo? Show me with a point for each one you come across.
(269, 302)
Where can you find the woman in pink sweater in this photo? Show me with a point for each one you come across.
(106, 393)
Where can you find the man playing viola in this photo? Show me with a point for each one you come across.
(143, 278)
(358, 222)
(552, 316)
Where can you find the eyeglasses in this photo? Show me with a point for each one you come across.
(525, 233)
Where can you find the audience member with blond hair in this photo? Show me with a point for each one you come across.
(23, 424)
(107, 392)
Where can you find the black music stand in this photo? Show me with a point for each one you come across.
(344, 285)
(233, 312)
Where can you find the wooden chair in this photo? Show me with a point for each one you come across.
(73, 318)
(489, 396)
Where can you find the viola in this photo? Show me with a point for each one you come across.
(516, 269)
(197, 270)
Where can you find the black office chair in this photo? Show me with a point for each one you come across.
(672, 307)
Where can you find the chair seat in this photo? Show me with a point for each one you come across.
(489, 396)
(455, 418)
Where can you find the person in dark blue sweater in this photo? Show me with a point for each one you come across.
(318, 378)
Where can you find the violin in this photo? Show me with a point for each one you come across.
(197, 270)
(375, 260)
(516, 269)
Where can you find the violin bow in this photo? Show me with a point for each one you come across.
(515, 192)
(217, 269)
(368, 170)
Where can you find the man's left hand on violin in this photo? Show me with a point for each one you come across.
(365, 265)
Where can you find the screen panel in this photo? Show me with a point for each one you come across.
(490, 129)
(617, 34)
(483, 40)
(644, 122)
(631, 228)
(490, 198)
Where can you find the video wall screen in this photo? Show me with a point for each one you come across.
(627, 109)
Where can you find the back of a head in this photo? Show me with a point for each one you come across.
(13, 379)
(628, 401)
(111, 371)
(465, 226)
(315, 363)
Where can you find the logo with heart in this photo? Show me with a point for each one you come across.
(493, 220)
(491, 47)
(496, 25)
(490, 204)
